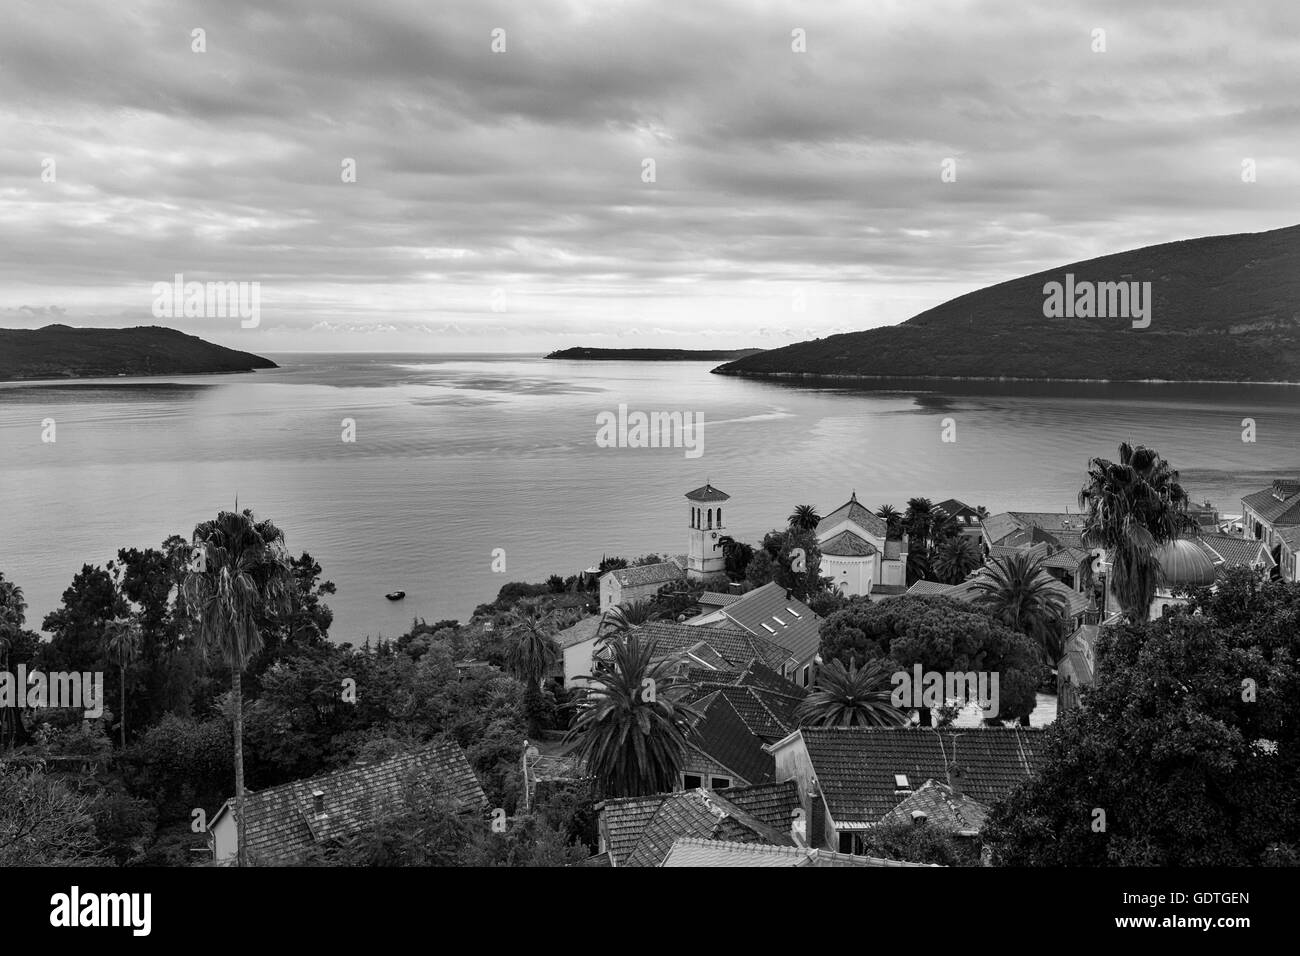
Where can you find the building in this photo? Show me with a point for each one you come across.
(1273, 516)
(857, 552)
(967, 518)
(1078, 668)
(641, 583)
(640, 831)
(773, 614)
(284, 823)
(852, 778)
(1023, 528)
(940, 806)
(692, 851)
(577, 648)
(705, 560)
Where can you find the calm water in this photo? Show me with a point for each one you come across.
(457, 456)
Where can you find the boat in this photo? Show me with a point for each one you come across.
(395, 595)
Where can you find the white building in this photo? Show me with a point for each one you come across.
(856, 551)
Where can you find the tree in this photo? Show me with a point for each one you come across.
(43, 822)
(792, 559)
(17, 646)
(918, 522)
(1019, 593)
(77, 627)
(955, 559)
(941, 635)
(737, 555)
(1133, 507)
(621, 618)
(893, 521)
(851, 697)
(804, 518)
(1189, 741)
(122, 640)
(241, 574)
(632, 724)
(531, 653)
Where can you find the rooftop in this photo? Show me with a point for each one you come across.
(707, 493)
(692, 851)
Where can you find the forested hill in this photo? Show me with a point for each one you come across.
(60, 351)
(1224, 308)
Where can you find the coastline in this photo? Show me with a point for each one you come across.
(721, 370)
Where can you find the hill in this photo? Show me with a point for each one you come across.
(1223, 308)
(652, 355)
(60, 351)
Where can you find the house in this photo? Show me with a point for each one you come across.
(1016, 528)
(851, 778)
(283, 823)
(640, 831)
(716, 647)
(692, 851)
(577, 645)
(740, 714)
(1228, 552)
(773, 614)
(940, 806)
(856, 550)
(1078, 668)
(640, 583)
(967, 518)
(1273, 516)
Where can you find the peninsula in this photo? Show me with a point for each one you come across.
(60, 351)
(653, 355)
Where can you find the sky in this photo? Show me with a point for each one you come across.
(817, 167)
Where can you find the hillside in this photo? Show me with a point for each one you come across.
(652, 355)
(1225, 308)
(59, 351)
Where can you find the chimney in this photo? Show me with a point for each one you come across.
(954, 779)
(318, 802)
(816, 817)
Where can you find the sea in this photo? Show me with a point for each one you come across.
(465, 472)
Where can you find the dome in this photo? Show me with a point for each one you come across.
(1183, 563)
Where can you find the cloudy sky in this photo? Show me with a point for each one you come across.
(501, 200)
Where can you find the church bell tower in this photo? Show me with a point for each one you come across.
(705, 558)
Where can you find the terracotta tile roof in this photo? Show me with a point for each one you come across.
(770, 803)
(584, 630)
(717, 599)
(943, 808)
(855, 766)
(846, 544)
(1290, 537)
(1236, 552)
(768, 613)
(736, 645)
(1283, 510)
(707, 493)
(722, 735)
(662, 573)
(766, 715)
(855, 511)
(705, 675)
(954, 507)
(639, 831)
(927, 587)
(692, 851)
(282, 825)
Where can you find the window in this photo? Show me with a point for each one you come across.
(692, 781)
(719, 783)
(779, 621)
(846, 842)
(900, 781)
(719, 517)
(804, 677)
(795, 613)
(768, 628)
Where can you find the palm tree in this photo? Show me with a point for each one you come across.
(1133, 507)
(982, 513)
(621, 618)
(804, 518)
(893, 521)
(122, 640)
(241, 577)
(631, 727)
(533, 649)
(955, 559)
(918, 522)
(1019, 593)
(852, 697)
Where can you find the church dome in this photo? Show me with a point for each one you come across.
(1184, 563)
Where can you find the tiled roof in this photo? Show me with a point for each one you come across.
(853, 510)
(1236, 552)
(282, 825)
(762, 677)
(661, 573)
(846, 544)
(703, 655)
(999, 526)
(893, 550)
(1271, 508)
(1067, 559)
(584, 630)
(722, 735)
(766, 715)
(1020, 527)
(855, 766)
(954, 507)
(766, 612)
(707, 675)
(1075, 602)
(717, 599)
(1290, 537)
(736, 645)
(943, 808)
(640, 830)
(692, 851)
(600, 859)
(770, 803)
(707, 493)
(928, 587)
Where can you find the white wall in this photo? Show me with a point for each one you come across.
(225, 837)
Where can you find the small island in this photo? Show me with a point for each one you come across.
(653, 355)
(60, 351)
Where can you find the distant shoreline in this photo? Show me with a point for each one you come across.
(652, 355)
(845, 376)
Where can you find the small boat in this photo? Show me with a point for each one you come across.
(395, 595)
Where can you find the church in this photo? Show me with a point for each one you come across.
(857, 553)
